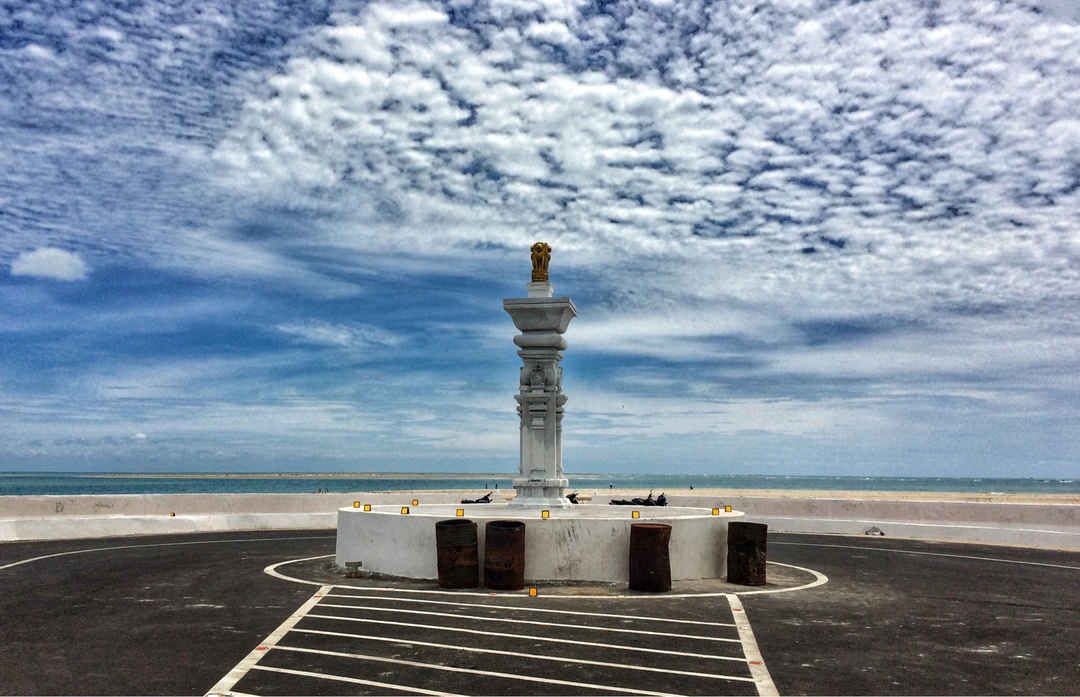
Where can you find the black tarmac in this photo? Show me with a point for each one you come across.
(175, 614)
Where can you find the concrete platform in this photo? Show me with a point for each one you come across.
(581, 543)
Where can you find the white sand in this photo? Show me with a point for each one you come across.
(602, 494)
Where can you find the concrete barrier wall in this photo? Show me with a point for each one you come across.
(59, 517)
(194, 504)
(1045, 514)
(79, 527)
(1054, 526)
(74, 517)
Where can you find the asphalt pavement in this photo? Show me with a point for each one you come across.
(181, 614)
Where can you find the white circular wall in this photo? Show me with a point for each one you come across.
(581, 543)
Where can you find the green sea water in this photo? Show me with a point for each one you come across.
(70, 483)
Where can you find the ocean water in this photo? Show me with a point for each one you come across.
(68, 483)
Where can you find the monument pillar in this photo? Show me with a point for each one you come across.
(542, 320)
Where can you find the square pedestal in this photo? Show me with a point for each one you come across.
(540, 493)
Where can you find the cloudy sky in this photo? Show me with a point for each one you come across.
(803, 236)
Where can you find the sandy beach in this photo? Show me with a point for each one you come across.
(988, 497)
(601, 495)
(302, 475)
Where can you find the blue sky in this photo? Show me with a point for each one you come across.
(803, 236)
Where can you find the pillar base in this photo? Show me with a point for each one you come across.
(540, 493)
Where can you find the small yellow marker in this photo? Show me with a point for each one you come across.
(404, 510)
(172, 514)
(532, 592)
(416, 502)
(727, 509)
(635, 514)
(367, 506)
(356, 504)
(459, 512)
(716, 511)
(545, 514)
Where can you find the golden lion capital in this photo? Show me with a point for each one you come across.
(541, 256)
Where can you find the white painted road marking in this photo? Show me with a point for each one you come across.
(354, 681)
(931, 554)
(751, 658)
(820, 579)
(513, 621)
(272, 570)
(761, 677)
(522, 608)
(528, 637)
(248, 662)
(489, 673)
(163, 544)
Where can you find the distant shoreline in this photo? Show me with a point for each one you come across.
(602, 494)
(316, 475)
(1050, 490)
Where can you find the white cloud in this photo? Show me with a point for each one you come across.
(354, 336)
(552, 32)
(708, 173)
(50, 262)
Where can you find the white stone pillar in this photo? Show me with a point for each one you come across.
(542, 320)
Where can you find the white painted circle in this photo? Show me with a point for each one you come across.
(819, 580)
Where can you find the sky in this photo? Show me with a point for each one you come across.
(803, 236)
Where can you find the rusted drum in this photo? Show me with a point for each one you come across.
(504, 555)
(746, 553)
(650, 562)
(455, 543)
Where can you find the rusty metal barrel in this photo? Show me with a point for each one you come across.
(650, 561)
(456, 555)
(746, 553)
(504, 555)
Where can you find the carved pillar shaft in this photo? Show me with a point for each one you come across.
(542, 320)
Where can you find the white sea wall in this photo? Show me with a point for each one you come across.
(193, 504)
(70, 517)
(1046, 525)
(87, 516)
(926, 509)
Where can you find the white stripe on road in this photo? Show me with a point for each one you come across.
(354, 681)
(462, 630)
(489, 673)
(762, 679)
(931, 554)
(164, 544)
(248, 662)
(819, 580)
(516, 636)
(916, 524)
(564, 659)
(533, 622)
(272, 570)
(530, 609)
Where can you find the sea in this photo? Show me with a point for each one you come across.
(73, 483)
